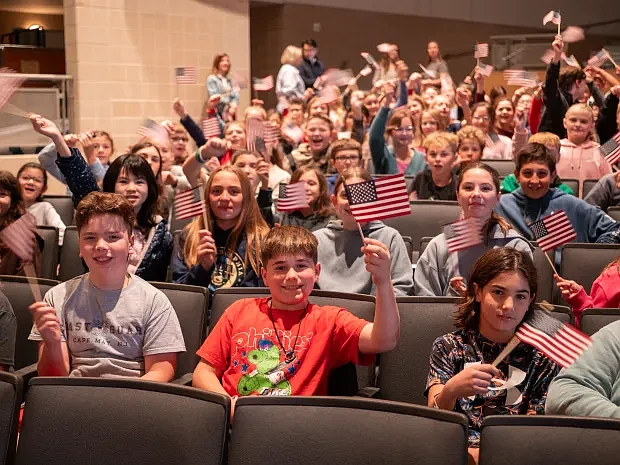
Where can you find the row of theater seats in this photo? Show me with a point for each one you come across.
(401, 374)
(103, 421)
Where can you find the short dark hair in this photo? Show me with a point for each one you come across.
(569, 76)
(289, 240)
(491, 264)
(310, 42)
(139, 167)
(533, 152)
(102, 203)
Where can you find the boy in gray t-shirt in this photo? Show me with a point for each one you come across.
(106, 322)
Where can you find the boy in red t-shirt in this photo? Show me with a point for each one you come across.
(284, 345)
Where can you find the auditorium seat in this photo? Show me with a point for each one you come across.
(11, 393)
(546, 283)
(426, 220)
(593, 319)
(403, 371)
(545, 439)
(614, 212)
(583, 263)
(503, 167)
(344, 431)
(190, 304)
(362, 306)
(98, 421)
(573, 184)
(588, 185)
(63, 204)
(70, 262)
(50, 253)
(17, 290)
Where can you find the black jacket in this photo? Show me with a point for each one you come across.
(310, 71)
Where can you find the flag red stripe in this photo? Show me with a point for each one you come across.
(560, 349)
(540, 344)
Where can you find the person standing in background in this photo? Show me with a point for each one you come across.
(311, 67)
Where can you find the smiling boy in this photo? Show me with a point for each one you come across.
(283, 344)
(107, 322)
(437, 181)
(535, 199)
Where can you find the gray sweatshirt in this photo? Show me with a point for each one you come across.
(437, 266)
(590, 387)
(342, 262)
(604, 194)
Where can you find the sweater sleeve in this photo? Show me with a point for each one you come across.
(47, 158)
(402, 276)
(607, 126)
(403, 95)
(601, 194)
(376, 140)
(426, 280)
(52, 218)
(587, 386)
(78, 175)
(194, 131)
(213, 87)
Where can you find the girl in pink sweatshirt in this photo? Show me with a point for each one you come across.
(580, 157)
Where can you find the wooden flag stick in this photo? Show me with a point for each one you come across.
(611, 59)
(201, 189)
(514, 342)
(13, 110)
(551, 263)
(31, 275)
(359, 228)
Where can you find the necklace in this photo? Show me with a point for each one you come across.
(289, 356)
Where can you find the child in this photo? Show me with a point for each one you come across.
(580, 157)
(430, 122)
(11, 209)
(498, 146)
(437, 181)
(225, 252)
(552, 142)
(107, 322)
(319, 132)
(397, 157)
(342, 262)
(320, 210)
(326, 337)
(605, 291)
(504, 117)
(470, 145)
(441, 273)
(33, 184)
(179, 139)
(131, 176)
(500, 293)
(343, 154)
(535, 199)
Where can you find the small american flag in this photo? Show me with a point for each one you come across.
(292, 197)
(254, 129)
(485, 70)
(463, 234)
(572, 61)
(263, 84)
(520, 77)
(154, 131)
(380, 198)
(370, 60)
(548, 56)
(552, 16)
(186, 75)
(599, 59)
(553, 231)
(211, 127)
(189, 204)
(559, 341)
(9, 84)
(19, 236)
(337, 77)
(611, 149)
(572, 34)
(328, 94)
(481, 50)
(271, 132)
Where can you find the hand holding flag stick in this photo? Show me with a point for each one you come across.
(554, 17)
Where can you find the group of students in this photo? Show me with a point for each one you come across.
(111, 322)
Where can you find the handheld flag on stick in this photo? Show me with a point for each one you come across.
(153, 130)
(463, 234)
(20, 238)
(430, 73)
(520, 77)
(370, 60)
(186, 75)
(609, 57)
(481, 50)
(271, 133)
(599, 59)
(572, 61)
(485, 70)
(264, 84)
(378, 199)
(254, 130)
(337, 77)
(10, 81)
(573, 34)
(611, 150)
(211, 127)
(292, 197)
(554, 17)
(559, 341)
(189, 204)
(553, 231)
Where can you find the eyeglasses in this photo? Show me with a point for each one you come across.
(480, 118)
(405, 129)
(347, 157)
(179, 139)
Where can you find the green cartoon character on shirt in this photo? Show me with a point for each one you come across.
(270, 377)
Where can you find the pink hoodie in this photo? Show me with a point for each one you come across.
(581, 162)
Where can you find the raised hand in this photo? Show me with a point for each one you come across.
(262, 170)
(568, 288)
(179, 108)
(46, 321)
(206, 250)
(377, 260)
(557, 47)
(215, 147)
(44, 126)
(388, 91)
